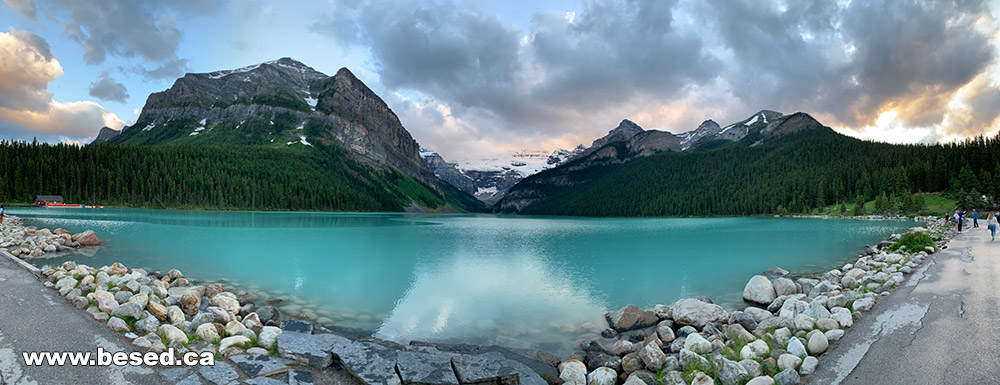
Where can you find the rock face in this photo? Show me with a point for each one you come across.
(696, 313)
(271, 101)
(105, 135)
(759, 290)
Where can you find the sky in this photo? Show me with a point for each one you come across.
(478, 78)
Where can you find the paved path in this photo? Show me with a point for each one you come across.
(940, 327)
(33, 317)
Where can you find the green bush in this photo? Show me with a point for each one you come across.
(913, 242)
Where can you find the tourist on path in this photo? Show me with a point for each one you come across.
(991, 223)
(958, 221)
(975, 218)
(1, 214)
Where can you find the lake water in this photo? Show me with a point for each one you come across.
(530, 282)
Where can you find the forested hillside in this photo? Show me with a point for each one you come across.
(210, 176)
(794, 173)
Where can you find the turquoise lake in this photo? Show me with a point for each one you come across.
(525, 282)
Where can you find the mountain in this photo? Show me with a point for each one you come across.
(105, 135)
(286, 105)
(488, 179)
(622, 144)
(628, 142)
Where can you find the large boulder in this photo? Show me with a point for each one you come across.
(784, 286)
(87, 238)
(696, 313)
(631, 317)
(759, 290)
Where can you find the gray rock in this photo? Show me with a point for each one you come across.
(310, 349)
(425, 368)
(297, 326)
(733, 373)
(787, 377)
(631, 362)
(260, 365)
(761, 380)
(147, 325)
(827, 324)
(796, 348)
(758, 314)
(818, 343)
(665, 331)
(775, 272)
(190, 380)
(689, 358)
(696, 343)
(117, 324)
(863, 304)
(493, 368)
(269, 315)
(788, 361)
(777, 322)
(752, 367)
(631, 317)
(697, 313)
(653, 357)
(834, 335)
(749, 322)
(663, 312)
(759, 290)
(685, 331)
(123, 296)
(816, 310)
(602, 376)
(170, 374)
(300, 377)
(219, 374)
(128, 309)
(808, 366)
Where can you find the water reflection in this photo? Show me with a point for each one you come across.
(517, 301)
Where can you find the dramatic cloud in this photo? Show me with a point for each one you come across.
(26, 8)
(145, 31)
(671, 64)
(26, 69)
(26, 106)
(106, 88)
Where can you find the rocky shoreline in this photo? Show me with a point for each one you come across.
(692, 341)
(777, 341)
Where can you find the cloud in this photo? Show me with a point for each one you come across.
(26, 69)
(26, 106)
(146, 31)
(26, 8)
(106, 88)
(671, 64)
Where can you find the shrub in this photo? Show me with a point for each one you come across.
(913, 242)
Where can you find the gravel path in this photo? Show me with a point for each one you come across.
(939, 327)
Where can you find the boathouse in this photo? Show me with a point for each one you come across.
(42, 200)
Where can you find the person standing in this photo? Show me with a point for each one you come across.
(991, 223)
(958, 221)
(1, 214)
(975, 218)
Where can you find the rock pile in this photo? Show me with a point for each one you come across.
(32, 242)
(775, 342)
(159, 311)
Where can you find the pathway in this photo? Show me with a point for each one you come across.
(940, 327)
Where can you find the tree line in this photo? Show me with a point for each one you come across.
(794, 173)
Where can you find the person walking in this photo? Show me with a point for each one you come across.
(991, 223)
(975, 218)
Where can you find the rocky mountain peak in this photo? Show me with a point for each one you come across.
(105, 134)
